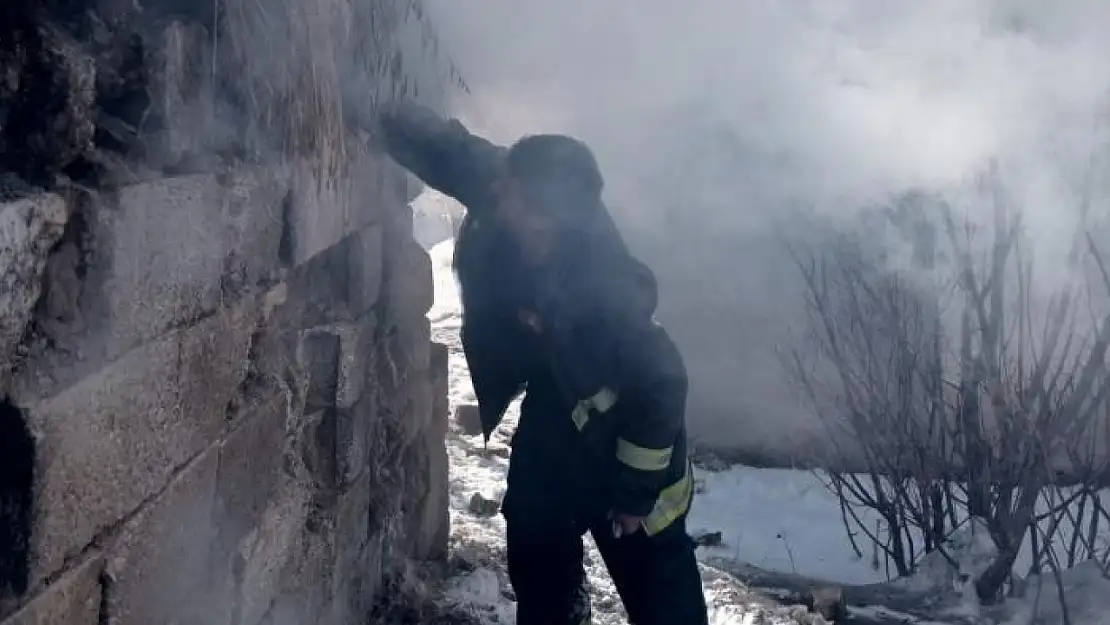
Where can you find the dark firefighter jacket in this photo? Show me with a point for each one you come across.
(606, 387)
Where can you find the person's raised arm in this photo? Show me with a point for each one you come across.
(441, 152)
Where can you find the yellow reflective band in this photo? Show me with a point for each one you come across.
(673, 502)
(604, 399)
(643, 458)
(601, 401)
(580, 415)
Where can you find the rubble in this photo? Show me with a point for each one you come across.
(483, 506)
(707, 539)
(468, 419)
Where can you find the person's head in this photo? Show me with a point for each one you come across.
(551, 184)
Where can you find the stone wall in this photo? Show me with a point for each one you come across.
(219, 400)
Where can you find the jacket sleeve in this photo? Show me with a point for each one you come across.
(442, 153)
(650, 416)
(493, 357)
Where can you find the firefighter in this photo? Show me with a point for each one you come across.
(556, 307)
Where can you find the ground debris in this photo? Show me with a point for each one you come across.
(12, 187)
(491, 451)
(468, 418)
(828, 602)
(708, 539)
(482, 506)
(847, 603)
(710, 461)
(411, 607)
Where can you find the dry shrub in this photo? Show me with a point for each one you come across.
(965, 398)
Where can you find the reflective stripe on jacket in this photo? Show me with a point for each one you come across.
(651, 464)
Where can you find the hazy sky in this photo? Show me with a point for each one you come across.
(860, 96)
(712, 117)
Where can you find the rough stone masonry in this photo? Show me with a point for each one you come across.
(219, 400)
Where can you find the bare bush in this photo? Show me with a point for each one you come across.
(963, 397)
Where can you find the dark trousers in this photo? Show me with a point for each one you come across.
(656, 576)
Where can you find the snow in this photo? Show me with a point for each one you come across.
(432, 217)
(779, 520)
(1085, 588)
(893, 615)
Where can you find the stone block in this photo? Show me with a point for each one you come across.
(317, 214)
(411, 492)
(352, 439)
(409, 287)
(154, 256)
(324, 210)
(318, 449)
(358, 573)
(107, 444)
(161, 564)
(318, 291)
(254, 224)
(402, 348)
(167, 249)
(439, 375)
(336, 445)
(319, 357)
(336, 361)
(250, 471)
(111, 441)
(419, 404)
(356, 361)
(29, 228)
(253, 513)
(215, 360)
(400, 218)
(353, 518)
(273, 369)
(266, 555)
(339, 284)
(433, 521)
(436, 524)
(414, 343)
(373, 188)
(73, 599)
(439, 359)
(307, 573)
(366, 258)
(160, 249)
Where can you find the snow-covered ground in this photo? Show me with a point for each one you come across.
(779, 520)
(433, 217)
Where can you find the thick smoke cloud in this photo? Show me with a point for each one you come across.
(714, 119)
